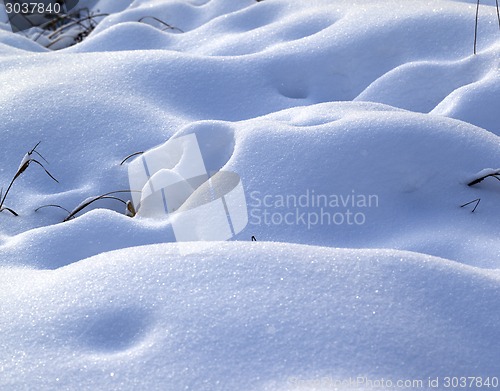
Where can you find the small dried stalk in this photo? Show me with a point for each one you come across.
(25, 162)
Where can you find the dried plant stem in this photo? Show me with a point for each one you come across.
(475, 27)
(131, 155)
(168, 26)
(482, 178)
(477, 201)
(25, 162)
(53, 206)
(477, 19)
(498, 13)
(74, 23)
(91, 200)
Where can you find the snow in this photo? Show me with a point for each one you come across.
(354, 127)
(247, 316)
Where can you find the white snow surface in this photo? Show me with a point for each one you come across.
(378, 107)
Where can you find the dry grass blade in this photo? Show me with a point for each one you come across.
(477, 19)
(168, 26)
(54, 22)
(130, 210)
(53, 206)
(477, 201)
(41, 165)
(131, 155)
(9, 210)
(78, 22)
(59, 39)
(85, 203)
(25, 162)
(498, 13)
(67, 29)
(33, 150)
(482, 178)
(475, 26)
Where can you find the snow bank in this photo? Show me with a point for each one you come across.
(340, 174)
(246, 316)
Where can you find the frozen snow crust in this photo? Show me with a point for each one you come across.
(377, 107)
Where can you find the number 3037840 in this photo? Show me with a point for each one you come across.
(32, 8)
(470, 382)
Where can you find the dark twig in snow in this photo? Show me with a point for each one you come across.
(477, 201)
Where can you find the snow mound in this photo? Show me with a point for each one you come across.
(348, 174)
(246, 316)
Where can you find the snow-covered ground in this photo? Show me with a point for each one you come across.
(355, 128)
